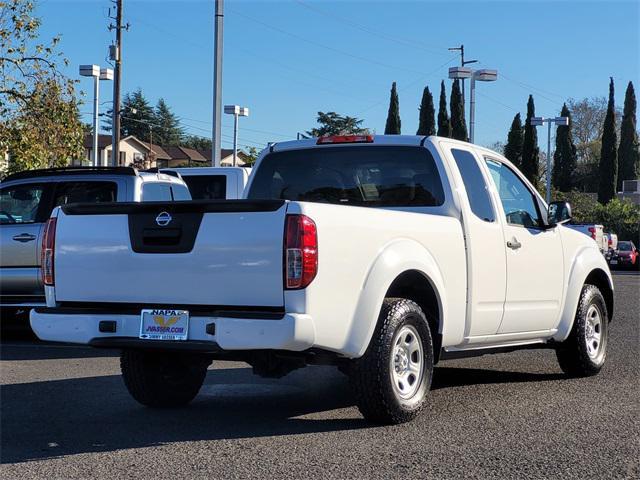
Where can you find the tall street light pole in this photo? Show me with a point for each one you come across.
(98, 74)
(115, 54)
(483, 75)
(237, 111)
(216, 134)
(537, 121)
(463, 63)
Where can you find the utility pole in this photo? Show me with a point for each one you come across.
(115, 54)
(216, 134)
(463, 62)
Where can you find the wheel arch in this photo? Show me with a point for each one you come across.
(588, 267)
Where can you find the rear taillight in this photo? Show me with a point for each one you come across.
(300, 251)
(592, 231)
(48, 247)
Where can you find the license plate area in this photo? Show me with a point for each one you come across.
(164, 324)
(614, 262)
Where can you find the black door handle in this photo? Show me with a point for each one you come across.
(24, 237)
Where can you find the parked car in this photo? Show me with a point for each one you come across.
(596, 232)
(211, 183)
(380, 255)
(26, 201)
(625, 256)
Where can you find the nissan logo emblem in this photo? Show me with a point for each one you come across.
(163, 219)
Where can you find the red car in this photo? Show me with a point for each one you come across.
(626, 255)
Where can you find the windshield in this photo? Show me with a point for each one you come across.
(365, 176)
(624, 246)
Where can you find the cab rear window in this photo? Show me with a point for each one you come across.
(365, 176)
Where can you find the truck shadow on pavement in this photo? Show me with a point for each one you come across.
(66, 417)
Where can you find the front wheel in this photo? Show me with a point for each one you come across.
(163, 379)
(392, 379)
(584, 352)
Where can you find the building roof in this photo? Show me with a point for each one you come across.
(103, 140)
(159, 152)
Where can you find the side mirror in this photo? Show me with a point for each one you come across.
(559, 212)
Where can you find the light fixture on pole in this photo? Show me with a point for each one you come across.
(538, 121)
(98, 74)
(483, 75)
(237, 111)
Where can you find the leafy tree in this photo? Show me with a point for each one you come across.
(393, 125)
(530, 166)
(40, 124)
(252, 156)
(427, 123)
(608, 168)
(196, 141)
(629, 151)
(458, 123)
(166, 129)
(565, 156)
(515, 139)
(332, 123)
(444, 125)
(137, 118)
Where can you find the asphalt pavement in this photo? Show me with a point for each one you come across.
(65, 413)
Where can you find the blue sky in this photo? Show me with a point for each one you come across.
(288, 59)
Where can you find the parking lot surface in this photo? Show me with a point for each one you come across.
(65, 413)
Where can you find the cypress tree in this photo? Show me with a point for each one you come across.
(608, 169)
(393, 117)
(458, 124)
(444, 125)
(427, 124)
(629, 151)
(167, 130)
(530, 166)
(513, 148)
(565, 158)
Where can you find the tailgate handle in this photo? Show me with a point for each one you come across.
(161, 236)
(24, 237)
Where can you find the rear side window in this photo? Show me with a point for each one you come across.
(207, 187)
(20, 204)
(85, 192)
(373, 176)
(156, 192)
(180, 193)
(475, 185)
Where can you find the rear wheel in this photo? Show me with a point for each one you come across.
(163, 379)
(392, 379)
(583, 354)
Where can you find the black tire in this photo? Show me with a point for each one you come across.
(577, 355)
(163, 379)
(371, 376)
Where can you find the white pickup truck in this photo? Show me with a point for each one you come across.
(380, 255)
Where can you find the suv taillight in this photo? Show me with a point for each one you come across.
(300, 251)
(48, 247)
(592, 231)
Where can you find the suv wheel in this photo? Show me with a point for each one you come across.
(584, 352)
(392, 379)
(163, 379)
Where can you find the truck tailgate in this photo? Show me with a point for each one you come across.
(225, 253)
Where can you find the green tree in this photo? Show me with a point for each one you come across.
(393, 125)
(427, 122)
(530, 166)
(137, 118)
(629, 151)
(252, 156)
(458, 123)
(608, 168)
(513, 148)
(196, 141)
(444, 124)
(565, 157)
(40, 125)
(332, 123)
(166, 129)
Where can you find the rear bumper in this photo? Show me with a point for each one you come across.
(293, 331)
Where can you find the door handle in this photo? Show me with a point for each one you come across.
(24, 237)
(513, 244)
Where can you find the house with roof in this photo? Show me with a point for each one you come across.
(135, 152)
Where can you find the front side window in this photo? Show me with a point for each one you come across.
(376, 176)
(20, 203)
(474, 184)
(517, 200)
